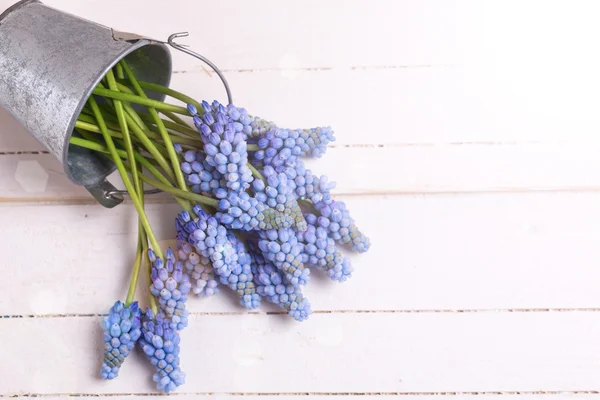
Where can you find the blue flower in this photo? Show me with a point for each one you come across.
(307, 186)
(282, 147)
(335, 217)
(161, 344)
(121, 332)
(241, 278)
(209, 238)
(224, 144)
(273, 206)
(199, 269)
(260, 127)
(281, 247)
(272, 285)
(170, 285)
(320, 250)
(201, 177)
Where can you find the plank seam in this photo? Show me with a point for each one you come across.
(21, 152)
(390, 145)
(353, 394)
(263, 313)
(82, 201)
(202, 69)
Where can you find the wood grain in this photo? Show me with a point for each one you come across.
(298, 34)
(263, 354)
(520, 395)
(523, 252)
(377, 170)
(402, 107)
(467, 149)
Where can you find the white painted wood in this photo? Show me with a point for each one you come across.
(534, 251)
(414, 106)
(444, 111)
(393, 106)
(333, 353)
(268, 34)
(323, 396)
(379, 170)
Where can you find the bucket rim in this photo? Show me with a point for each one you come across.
(15, 7)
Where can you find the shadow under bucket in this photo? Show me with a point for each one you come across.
(50, 62)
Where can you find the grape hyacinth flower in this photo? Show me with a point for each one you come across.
(121, 332)
(225, 149)
(272, 207)
(281, 247)
(278, 194)
(170, 285)
(242, 212)
(209, 238)
(241, 122)
(335, 217)
(241, 278)
(181, 226)
(199, 269)
(200, 176)
(271, 285)
(160, 343)
(260, 127)
(307, 186)
(282, 147)
(320, 250)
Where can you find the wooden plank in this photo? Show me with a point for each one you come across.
(426, 105)
(430, 253)
(408, 107)
(378, 170)
(322, 396)
(300, 34)
(221, 396)
(340, 353)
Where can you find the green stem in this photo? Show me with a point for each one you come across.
(184, 194)
(163, 131)
(256, 173)
(162, 183)
(142, 238)
(253, 147)
(111, 94)
(119, 70)
(150, 147)
(128, 185)
(175, 118)
(152, 300)
(103, 149)
(136, 118)
(135, 274)
(86, 135)
(183, 129)
(128, 108)
(173, 93)
(139, 188)
(82, 123)
(112, 83)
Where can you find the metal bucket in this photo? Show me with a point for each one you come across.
(50, 62)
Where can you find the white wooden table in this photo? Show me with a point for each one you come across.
(468, 149)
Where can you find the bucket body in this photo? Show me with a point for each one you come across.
(50, 62)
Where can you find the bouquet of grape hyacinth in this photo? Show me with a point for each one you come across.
(253, 217)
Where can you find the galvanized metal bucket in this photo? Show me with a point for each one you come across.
(50, 62)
